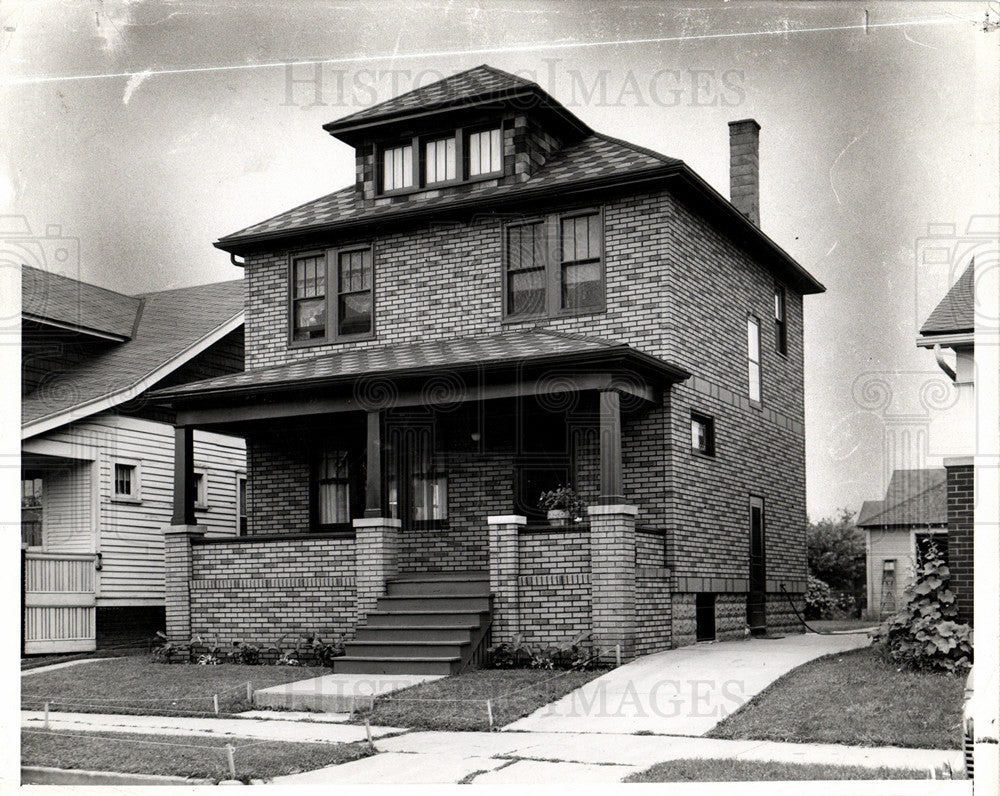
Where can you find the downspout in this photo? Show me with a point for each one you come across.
(939, 358)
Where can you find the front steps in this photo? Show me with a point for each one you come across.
(428, 623)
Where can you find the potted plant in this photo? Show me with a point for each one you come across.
(562, 504)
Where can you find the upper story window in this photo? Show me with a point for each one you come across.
(753, 357)
(780, 329)
(439, 161)
(554, 266)
(345, 310)
(445, 157)
(397, 168)
(485, 152)
(702, 434)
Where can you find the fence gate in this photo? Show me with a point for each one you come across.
(59, 612)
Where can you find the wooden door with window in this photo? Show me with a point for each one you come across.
(757, 595)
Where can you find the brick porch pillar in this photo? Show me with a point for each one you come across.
(961, 507)
(504, 565)
(612, 578)
(376, 558)
(178, 570)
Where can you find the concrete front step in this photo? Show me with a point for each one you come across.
(337, 693)
(424, 618)
(479, 587)
(435, 602)
(351, 664)
(450, 634)
(403, 649)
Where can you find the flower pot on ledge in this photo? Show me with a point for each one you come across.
(558, 517)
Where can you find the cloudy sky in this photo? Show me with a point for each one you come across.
(134, 134)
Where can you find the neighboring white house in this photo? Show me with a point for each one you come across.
(97, 459)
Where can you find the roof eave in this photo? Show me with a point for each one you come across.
(958, 337)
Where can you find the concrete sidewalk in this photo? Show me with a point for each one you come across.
(546, 758)
(684, 691)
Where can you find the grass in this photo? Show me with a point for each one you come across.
(858, 698)
(754, 770)
(183, 756)
(459, 702)
(141, 685)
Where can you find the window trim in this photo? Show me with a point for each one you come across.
(331, 264)
(758, 401)
(136, 495)
(553, 267)
(709, 422)
(780, 321)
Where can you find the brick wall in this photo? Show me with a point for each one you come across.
(258, 591)
(277, 484)
(653, 605)
(554, 584)
(961, 503)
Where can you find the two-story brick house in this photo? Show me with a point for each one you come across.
(505, 301)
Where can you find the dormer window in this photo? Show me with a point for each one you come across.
(397, 168)
(485, 153)
(439, 161)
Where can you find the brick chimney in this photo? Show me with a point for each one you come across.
(744, 160)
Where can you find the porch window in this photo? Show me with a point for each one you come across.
(31, 510)
(554, 266)
(417, 484)
(309, 298)
(753, 357)
(333, 488)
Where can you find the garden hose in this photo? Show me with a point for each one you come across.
(822, 632)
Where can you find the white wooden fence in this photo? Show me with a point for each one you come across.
(59, 613)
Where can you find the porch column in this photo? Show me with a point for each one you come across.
(184, 496)
(504, 565)
(612, 578)
(374, 503)
(178, 571)
(611, 449)
(376, 542)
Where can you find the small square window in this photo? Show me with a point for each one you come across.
(702, 434)
(200, 489)
(126, 481)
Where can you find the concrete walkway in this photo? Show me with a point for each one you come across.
(684, 691)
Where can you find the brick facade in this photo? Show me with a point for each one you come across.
(961, 503)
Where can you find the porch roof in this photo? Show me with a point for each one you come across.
(532, 349)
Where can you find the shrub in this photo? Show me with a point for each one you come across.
(246, 654)
(924, 634)
(570, 655)
(819, 601)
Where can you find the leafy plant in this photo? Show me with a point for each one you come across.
(819, 602)
(246, 654)
(571, 655)
(165, 649)
(211, 656)
(287, 658)
(924, 634)
(563, 498)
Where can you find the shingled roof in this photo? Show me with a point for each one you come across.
(511, 348)
(956, 312)
(174, 326)
(68, 303)
(482, 82)
(914, 498)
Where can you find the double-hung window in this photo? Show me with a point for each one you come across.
(333, 295)
(554, 266)
(753, 357)
(333, 488)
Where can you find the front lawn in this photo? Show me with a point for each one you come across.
(757, 770)
(141, 685)
(459, 702)
(182, 756)
(857, 698)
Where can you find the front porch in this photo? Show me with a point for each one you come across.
(358, 487)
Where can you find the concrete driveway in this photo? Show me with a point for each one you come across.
(684, 691)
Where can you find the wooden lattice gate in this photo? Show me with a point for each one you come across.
(59, 612)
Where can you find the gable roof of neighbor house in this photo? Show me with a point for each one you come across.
(591, 164)
(510, 348)
(956, 311)
(57, 300)
(173, 327)
(914, 498)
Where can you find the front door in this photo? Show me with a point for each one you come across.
(757, 596)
